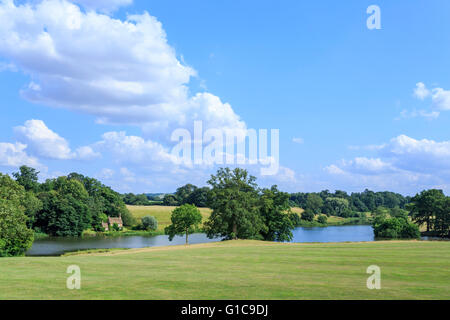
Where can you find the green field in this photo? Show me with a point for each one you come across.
(238, 270)
(161, 213)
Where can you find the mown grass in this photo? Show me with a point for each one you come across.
(161, 213)
(238, 270)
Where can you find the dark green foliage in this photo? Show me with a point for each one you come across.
(170, 200)
(308, 215)
(274, 207)
(314, 203)
(136, 200)
(15, 237)
(234, 201)
(322, 219)
(395, 228)
(359, 202)
(432, 208)
(65, 210)
(149, 223)
(28, 178)
(185, 220)
(295, 219)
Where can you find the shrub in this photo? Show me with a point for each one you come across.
(322, 219)
(395, 228)
(308, 215)
(149, 223)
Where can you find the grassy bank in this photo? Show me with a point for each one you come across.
(161, 213)
(238, 269)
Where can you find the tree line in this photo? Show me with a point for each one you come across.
(341, 204)
(64, 206)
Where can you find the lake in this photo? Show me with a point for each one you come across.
(58, 246)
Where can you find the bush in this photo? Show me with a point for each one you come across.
(149, 223)
(322, 219)
(308, 215)
(295, 219)
(395, 228)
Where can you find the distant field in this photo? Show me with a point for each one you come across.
(161, 213)
(238, 270)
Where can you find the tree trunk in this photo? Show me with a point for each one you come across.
(235, 230)
(187, 237)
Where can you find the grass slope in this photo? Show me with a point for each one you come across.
(238, 270)
(161, 213)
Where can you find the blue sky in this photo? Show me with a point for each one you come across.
(82, 90)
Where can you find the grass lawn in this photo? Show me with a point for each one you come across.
(238, 270)
(161, 213)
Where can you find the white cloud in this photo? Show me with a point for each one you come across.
(298, 140)
(42, 141)
(14, 155)
(106, 6)
(45, 143)
(135, 150)
(441, 98)
(421, 92)
(403, 163)
(119, 71)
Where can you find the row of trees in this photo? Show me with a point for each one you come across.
(68, 205)
(432, 209)
(340, 203)
(188, 194)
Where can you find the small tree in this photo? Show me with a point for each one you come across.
(185, 220)
(308, 215)
(149, 223)
(322, 219)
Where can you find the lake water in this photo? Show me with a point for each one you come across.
(58, 246)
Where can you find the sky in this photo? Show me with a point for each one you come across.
(99, 88)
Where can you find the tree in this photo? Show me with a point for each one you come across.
(183, 193)
(322, 219)
(185, 220)
(149, 223)
(314, 203)
(199, 197)
(395, 228)
(15, 237)
(28, 178)
(425, 205)
(274, 209)
(65, 209)
(308, 215)
(170, 200)
(234, 201)
(338, 205)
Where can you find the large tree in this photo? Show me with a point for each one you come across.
(314, 203)
(15, 237)
(65, 209)
(275, 209)
(28, 178)
(425, 206)
(234, 201)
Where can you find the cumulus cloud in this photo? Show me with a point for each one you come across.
(421, 92)
(14, 155)
(440, 101)
(403, 162)
(135, 150)
(120, 71)
(45, 143)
